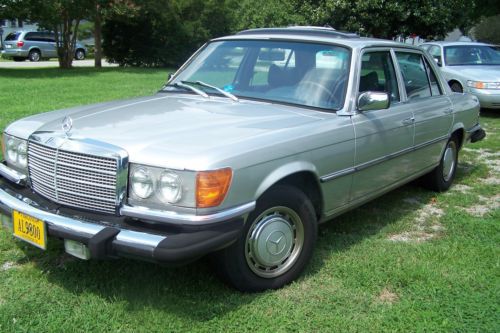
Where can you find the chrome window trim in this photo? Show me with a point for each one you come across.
(364, 165)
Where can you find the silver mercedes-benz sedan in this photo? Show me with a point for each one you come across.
(470, 67)
(251, 144)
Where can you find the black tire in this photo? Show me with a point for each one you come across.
(19, 59)
(441, 178)
(456, 87)
(284, 213)
(80, 54)
(34, 56)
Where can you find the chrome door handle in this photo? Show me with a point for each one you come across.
(448, 111)
(408, 121)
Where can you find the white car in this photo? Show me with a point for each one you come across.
(470, 67)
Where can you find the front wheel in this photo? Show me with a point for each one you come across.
(276, 243)
(80, 54)
(441, 178)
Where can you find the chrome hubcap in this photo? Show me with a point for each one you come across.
(274, 242)
(35, 56)
(449, 159)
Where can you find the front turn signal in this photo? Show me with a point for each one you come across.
(212, 187)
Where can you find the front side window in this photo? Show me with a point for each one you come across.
(378, 74)
(414, 75)
(306, 74)
(468, 55)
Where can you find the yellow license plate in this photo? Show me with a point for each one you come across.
(29, 229)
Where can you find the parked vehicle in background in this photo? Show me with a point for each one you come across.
(470, 67)
(256, 140)
(35, 46)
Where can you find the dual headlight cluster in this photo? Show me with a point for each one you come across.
(15, 152)
(154, 187)
(483, 85)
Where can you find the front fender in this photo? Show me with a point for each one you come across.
(282, 172)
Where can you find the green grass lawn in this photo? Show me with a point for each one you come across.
(411, 261)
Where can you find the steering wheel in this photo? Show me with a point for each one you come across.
(329, 93)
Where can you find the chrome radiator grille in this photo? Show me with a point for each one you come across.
(73, 179)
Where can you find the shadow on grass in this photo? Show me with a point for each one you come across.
(193, 291)
(44, 73)
(490, 113)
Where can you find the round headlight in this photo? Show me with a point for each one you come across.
(12, 150)
(170, 187)
(142, 183)
(22, 154)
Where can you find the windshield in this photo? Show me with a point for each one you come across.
(307, 74)
(465, 55)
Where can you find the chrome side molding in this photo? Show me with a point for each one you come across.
(144, 213)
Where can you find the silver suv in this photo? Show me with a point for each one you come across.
(35, 45)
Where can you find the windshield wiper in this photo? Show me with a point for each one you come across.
(193, 89)
(223, 92)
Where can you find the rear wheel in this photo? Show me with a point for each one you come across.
(34, 56)
(441, 178)
(276, 243)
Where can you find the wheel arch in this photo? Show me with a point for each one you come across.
(35, 48)
(453, 80)
(302, 175)
(459, 131)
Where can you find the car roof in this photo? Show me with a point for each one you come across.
(443, 43)
(314, 34)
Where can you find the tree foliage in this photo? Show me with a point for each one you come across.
(164, 32)
(488, 30)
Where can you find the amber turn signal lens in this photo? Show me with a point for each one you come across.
(212, 187)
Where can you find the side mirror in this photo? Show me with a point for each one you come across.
(438, 61)
(170, 76)
(372, 100)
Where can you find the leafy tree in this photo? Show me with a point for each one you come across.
(164, 32)
(388, 18)
(488, 30)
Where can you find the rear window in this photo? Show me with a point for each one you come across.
(12, 36)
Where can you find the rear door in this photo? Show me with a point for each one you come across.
(383, 137)
(432, 109)
(50, 44)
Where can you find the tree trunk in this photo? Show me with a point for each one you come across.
(97, 37)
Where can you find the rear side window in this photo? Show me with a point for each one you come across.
(12, 36)
(435, 88)
(32, 37)
(414, 74)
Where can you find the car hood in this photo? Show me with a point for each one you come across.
(477, 72)
(173, 130)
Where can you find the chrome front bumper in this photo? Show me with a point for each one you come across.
(162, 237)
